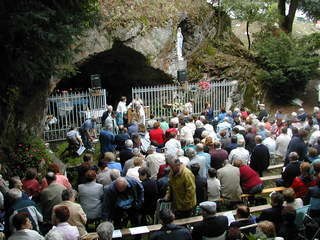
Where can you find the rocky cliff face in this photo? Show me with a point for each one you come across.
(150, 28)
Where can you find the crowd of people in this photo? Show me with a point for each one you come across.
(187, 160)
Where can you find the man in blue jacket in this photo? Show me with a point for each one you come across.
(123, 200)
(107, 140)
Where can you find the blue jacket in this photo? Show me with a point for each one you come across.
(107, 141)
(132, 197)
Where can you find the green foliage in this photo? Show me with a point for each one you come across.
(36, 42)
(211, 51)
(259, 236)
(38, 35)
(249, 10)
(59, 147)
(29, 153)
(288, 63)
(311, 8)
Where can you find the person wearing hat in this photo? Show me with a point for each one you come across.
(212, 225)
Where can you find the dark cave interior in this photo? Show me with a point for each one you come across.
(120, 69)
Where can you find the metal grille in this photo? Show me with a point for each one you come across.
(68, 109)
(163, 100)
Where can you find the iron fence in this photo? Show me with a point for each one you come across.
(164, 99)
(68, 109)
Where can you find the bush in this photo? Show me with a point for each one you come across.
(31, 153)
(288, 63)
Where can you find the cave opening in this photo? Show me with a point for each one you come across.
(120, 68)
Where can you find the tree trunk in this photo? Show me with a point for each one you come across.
(23, 112)
(248, 35)
(286, 21)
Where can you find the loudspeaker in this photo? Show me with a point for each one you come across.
(182, 75)
(95, 81)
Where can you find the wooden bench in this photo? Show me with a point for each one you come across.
(271, 167)
(273, 177)
(264, 192)
(183, 221)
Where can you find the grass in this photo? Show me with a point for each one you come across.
(71, 161)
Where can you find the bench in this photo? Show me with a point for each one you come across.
(268, 178)
(271, 167)
(183, 221)
(264, 192)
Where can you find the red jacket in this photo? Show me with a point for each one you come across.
(157, 136)
(31, 187)
(301, 186)
(248, 178)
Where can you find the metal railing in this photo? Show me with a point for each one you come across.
(165, 99)
(66, 109)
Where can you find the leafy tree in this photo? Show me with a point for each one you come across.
(286, 20)
(288, 63)
(249, 11)
(310, 7)
(36, 44)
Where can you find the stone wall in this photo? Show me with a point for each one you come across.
(156, 43)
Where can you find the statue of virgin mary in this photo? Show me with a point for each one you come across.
(179, 44)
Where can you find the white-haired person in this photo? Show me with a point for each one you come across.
(315, 134)
(154, 160)
(182, 158)
(105, 230)
(239, 153)
(22, 204)
(172, 145)
(194, 158)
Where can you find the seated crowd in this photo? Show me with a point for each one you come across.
(189, 162)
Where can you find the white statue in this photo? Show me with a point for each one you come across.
(179, 44)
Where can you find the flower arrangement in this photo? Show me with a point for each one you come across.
(204, 85)
(177, 106)
(29, 154)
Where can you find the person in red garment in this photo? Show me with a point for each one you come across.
(157, 135)
(30, 184)
(249, 179)
(301, 184)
